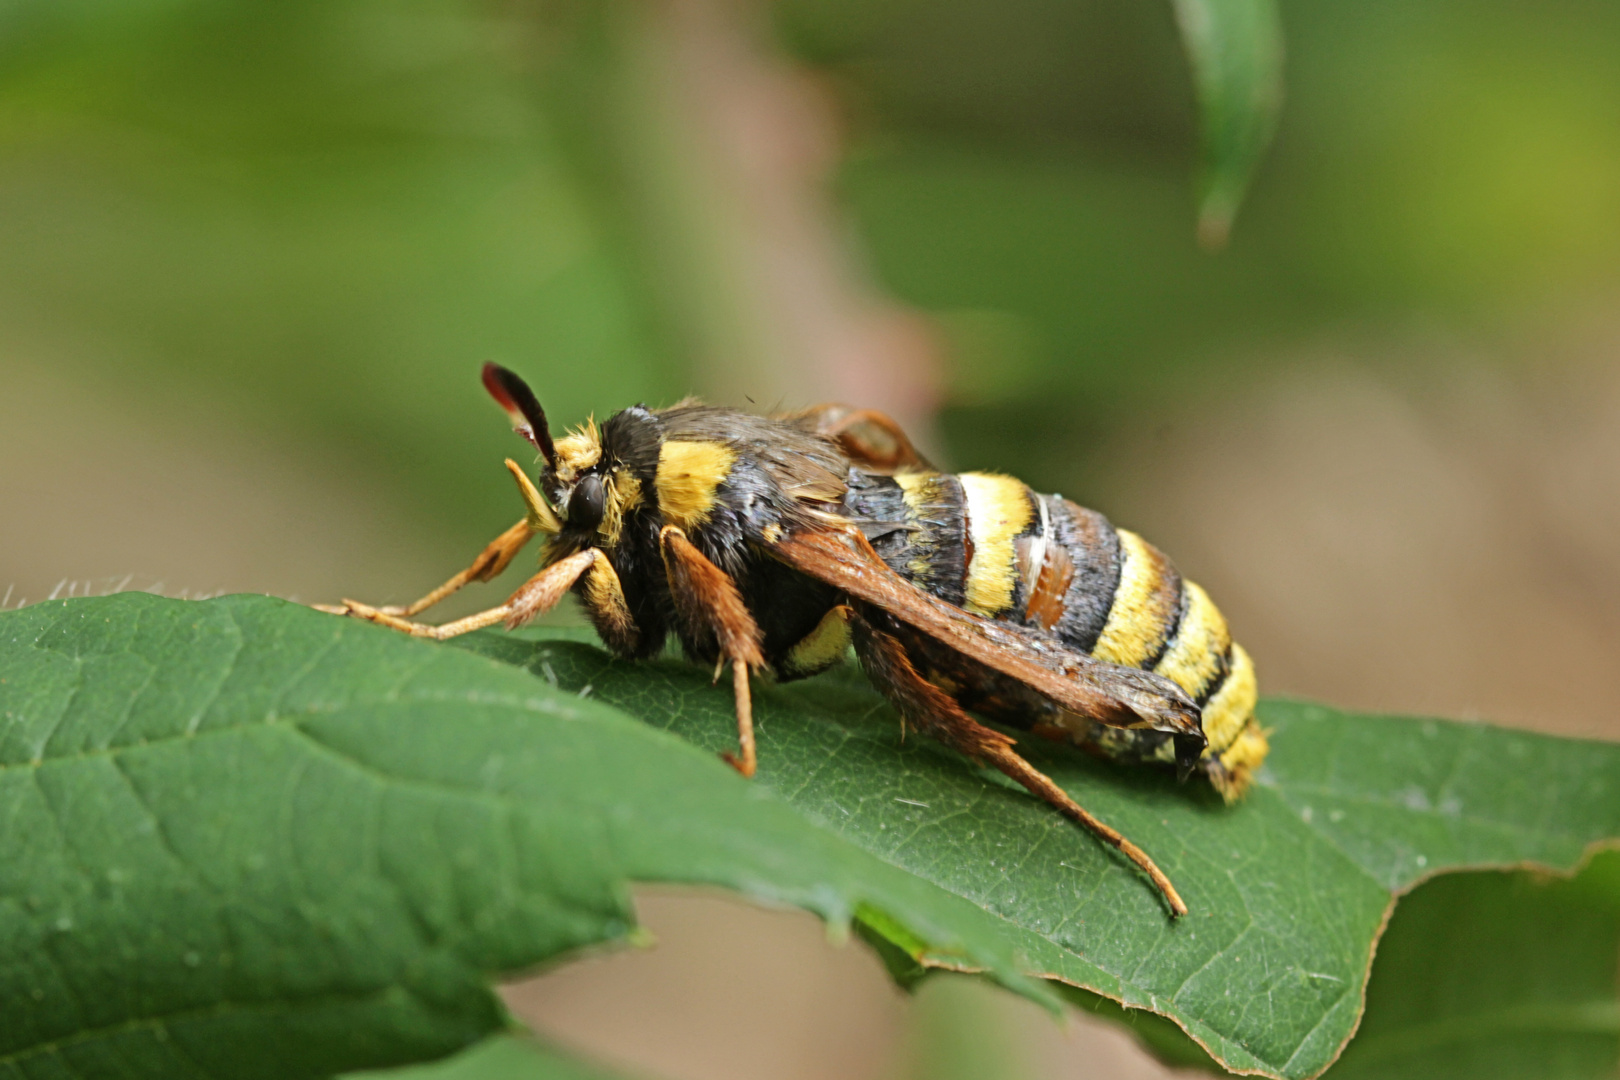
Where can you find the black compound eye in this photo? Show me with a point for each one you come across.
(586, 504)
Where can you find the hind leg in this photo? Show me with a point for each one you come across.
(932, 711)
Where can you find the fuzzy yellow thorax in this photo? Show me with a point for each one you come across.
(688, 474)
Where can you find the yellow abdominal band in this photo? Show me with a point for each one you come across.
(1235, 738)
(1142, 612)
(998, 509)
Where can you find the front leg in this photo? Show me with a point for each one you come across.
(707, 600)
(533, 598)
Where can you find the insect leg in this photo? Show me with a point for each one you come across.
(934, 712)
(707, 600)
(535, 597)
(602, 596)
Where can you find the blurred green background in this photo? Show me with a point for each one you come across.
(251, 257)
(322, 217)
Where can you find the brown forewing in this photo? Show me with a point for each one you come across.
(1123, 697)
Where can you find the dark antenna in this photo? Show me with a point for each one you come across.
(528, 418)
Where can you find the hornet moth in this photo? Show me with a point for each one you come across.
(770, 545)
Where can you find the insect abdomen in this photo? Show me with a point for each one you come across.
(991, 545)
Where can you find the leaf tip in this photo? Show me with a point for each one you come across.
(1214, 227)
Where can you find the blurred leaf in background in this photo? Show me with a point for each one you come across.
(1442, 167)
(1236, 51)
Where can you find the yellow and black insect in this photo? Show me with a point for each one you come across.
(771, 545)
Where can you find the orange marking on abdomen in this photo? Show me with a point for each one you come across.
(1046, 600)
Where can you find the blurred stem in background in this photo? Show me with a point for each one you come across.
(716, 151)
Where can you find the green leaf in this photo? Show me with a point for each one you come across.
(1496, 975)
(1236, 51)
(244, 831)
(503, 1057)
(1289, 891)
(1480, 975)
(243, 838)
